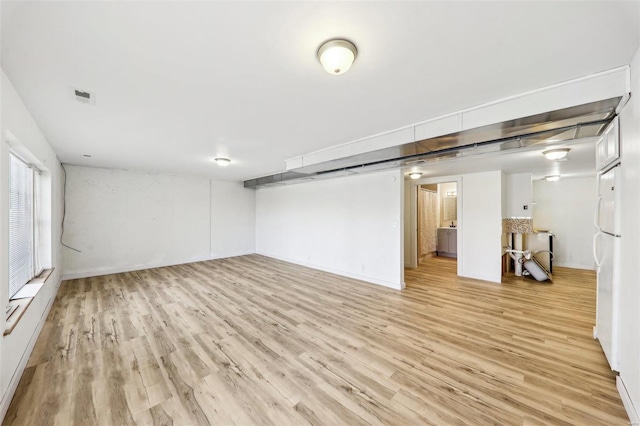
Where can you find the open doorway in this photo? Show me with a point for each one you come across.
(428, 209)
(432, 206)
(437, 214)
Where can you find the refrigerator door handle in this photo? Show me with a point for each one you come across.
(596, 213)
(595, 249)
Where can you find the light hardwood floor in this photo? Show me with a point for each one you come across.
(251, 340)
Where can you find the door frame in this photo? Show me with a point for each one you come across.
(413, 209)
(418, 216)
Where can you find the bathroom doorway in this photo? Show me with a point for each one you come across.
(437, 221)
(428, 208)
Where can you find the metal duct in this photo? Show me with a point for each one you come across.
(555, 127)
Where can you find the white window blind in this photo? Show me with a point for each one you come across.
(21, 225)
(37, 264)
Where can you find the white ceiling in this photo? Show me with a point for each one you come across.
(179, 83)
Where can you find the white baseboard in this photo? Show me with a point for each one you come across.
(73, 275)
(483, 277)
(573, 266)
(372, 280)
(17, 375)
(634, 419)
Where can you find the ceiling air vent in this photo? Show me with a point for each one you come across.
(84, 96)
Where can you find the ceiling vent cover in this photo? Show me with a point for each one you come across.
(84, 96)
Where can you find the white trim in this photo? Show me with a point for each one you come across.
(87, 273)
(365, 278)
(634, 419)
(19, 150)
(17, 374)
(573, 266)
(488, 278)
(411, 258)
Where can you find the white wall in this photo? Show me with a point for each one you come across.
(126, 220)
(18, 125)
(481, 226)
(519, 194)
(233, 219)
(630, 288)
(350, 226)
(565, 207)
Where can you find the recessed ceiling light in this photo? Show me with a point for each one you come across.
(552, 178)
(337, 55)
(415, 175)
(224, 162)
(556, 154)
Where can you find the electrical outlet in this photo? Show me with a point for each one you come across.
(525, 207)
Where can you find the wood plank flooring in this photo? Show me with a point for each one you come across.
(251, 340)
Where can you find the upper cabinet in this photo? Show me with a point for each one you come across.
(608, 147)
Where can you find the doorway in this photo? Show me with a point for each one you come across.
(428, 209)
(437, 223)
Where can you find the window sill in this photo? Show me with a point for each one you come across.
(17, 307)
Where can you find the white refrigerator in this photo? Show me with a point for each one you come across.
(606, 249)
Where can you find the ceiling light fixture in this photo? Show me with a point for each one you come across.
(556, 154)
(223, 162)
(552, 178)
(415, 175)
(337, 55)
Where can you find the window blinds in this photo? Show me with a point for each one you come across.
(21, 225)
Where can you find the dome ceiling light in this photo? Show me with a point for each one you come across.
(223, 162)
(556, 154)
(337, 55)
(415, 175)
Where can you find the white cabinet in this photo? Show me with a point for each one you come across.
(447, 242)
(608, 147)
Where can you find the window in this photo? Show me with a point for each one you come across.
(24, 262)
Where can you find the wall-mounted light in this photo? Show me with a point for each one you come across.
(223, 162)
(552, 178)
(556, 154)
(415, 175)
(337, 55)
